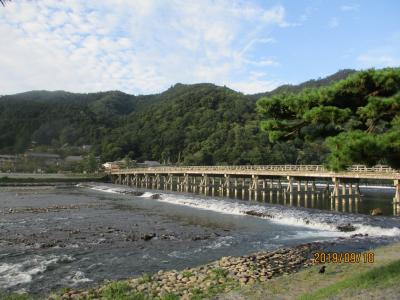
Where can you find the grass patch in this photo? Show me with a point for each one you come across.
(382, 276)
(119, 290)
(170, 297)
(145, 278)
(219, 273)
(187, 274)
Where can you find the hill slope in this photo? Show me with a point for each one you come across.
(208, 124)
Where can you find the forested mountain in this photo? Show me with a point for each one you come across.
(61, 118)
(345, 118)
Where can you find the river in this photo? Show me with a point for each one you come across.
(78, 236)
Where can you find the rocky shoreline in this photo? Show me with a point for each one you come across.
(219, 276)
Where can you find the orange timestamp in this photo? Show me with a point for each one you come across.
(344, 257)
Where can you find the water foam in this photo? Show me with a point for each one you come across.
(147, 195)
(316, 220)
(22, 273)
(321, 221)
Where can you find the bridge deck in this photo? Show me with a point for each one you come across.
(314, 171)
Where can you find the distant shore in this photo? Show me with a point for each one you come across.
(37, 179)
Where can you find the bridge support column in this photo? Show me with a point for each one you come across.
(168, 182)
(186, 182)
(350, 189)
(235, 185)
(397, 191)
(290, 184)
(335, 192)
(227, 183)
(299, 186)
(313, 187)
(254, 183)
(204, 183)
(357, 193)
(343, 189)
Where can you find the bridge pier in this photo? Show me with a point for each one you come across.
(335, 192)
(397, 191)
(290, 184)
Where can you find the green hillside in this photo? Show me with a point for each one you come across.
(348, 117)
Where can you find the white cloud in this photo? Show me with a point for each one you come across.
(256, 84)
(276, 15)
(134, 46)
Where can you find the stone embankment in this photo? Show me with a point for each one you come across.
(217, 277)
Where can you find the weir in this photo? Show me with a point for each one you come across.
(267, 181)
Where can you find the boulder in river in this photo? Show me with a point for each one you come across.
(257, 214)
(148, 236)
(346, 227)
(376, 212)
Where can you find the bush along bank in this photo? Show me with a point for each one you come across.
(204, 281)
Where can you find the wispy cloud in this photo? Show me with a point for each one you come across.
(134, 46)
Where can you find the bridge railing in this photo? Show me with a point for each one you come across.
(279, 168)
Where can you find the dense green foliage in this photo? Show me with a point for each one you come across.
(349, 117)
(60, 119)
(196, 124)
(357, 119)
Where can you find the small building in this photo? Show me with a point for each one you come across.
(42, 155)
(113, 165)
(46, 158)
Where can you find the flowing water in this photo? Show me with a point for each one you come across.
(53, 237)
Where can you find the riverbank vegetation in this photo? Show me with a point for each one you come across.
(378, 280)
(347, 118)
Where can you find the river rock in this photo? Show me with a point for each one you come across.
(345, 227)
(376, 212)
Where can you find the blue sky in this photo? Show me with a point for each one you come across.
(145, 46)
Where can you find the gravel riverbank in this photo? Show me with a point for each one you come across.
(219, 276)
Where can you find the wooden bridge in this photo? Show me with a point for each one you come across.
(259, 178)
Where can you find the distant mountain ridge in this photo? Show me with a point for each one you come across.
(294, 88)
(59, 94)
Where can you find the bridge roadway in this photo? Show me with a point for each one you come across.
(312, 171)
(254, 177)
